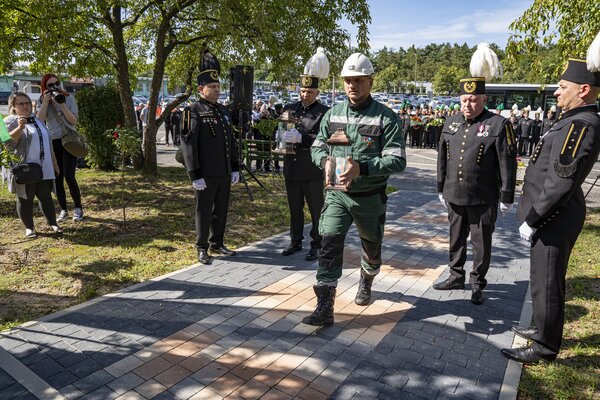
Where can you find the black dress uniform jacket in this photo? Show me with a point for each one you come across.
(299, 166)
(552, 195)
(208, 145)
(477, 160)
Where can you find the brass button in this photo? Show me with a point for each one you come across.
(459, 165)
(460, 158)
(464, 136)
(462, 150)
(463, 143)
(460, 172)
(460, 179)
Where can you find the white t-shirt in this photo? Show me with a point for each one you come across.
(33, 153)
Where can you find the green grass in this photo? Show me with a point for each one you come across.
(576, 373)
(101, 254)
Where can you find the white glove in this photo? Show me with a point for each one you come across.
(235, 177)
(293, 136)
(505, 208)
(199, 184)
(526, 232)
(442, 200)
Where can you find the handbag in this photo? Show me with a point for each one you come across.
(74, 142)
(26, 173)
(71, 140)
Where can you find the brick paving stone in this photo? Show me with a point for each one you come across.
(186, 388)
(102, 393)
(209, 373)
(225, 384)
(125, 383)
(292, 385)
(206, 394)
(153, 368)
(150, 388)
(93, 381)
(172, 376)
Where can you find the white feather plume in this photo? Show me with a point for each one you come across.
(485, 63)
(515, 107)
(553, 109)
(318, 64)
(539, 110)
(528, 108)
(593, 55)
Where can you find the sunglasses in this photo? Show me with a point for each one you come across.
(53, 84)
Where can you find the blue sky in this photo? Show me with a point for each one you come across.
(404, 23)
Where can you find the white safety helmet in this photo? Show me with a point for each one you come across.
(357, 65)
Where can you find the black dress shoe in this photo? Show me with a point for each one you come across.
(526, 355)
(313, 254)
(477, 297)
(291, 249)
(525, 333)
(203, 257)
(224, 251)
(450, 283)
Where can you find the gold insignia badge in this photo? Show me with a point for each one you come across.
(306, 81)
(470, 87)
(214, 75)
(565, 67)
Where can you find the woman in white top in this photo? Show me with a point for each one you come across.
(26, 131)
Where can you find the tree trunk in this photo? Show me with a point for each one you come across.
(149, 143)
(124, 85)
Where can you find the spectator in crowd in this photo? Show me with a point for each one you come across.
(31, 143)
(57, 112)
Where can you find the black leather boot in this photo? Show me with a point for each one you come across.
(363, 296)
(323, 314)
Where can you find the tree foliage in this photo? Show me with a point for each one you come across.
(446, 80)
(565, 26)
(125, 38)
(99, 110)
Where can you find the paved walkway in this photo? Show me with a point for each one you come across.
(232, 330)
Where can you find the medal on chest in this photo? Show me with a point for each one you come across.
(454, 127)
(368, 140)
(483, 130)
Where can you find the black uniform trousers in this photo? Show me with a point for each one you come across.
(480, 221)
(548, 268)
(212, 205)
(312, 191)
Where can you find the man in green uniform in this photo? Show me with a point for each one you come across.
(377, 152)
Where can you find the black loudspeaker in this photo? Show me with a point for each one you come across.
(241, 78)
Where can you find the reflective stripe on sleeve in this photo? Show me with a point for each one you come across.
(396, 152)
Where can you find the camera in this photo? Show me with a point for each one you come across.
(31, 120)
(57, 96)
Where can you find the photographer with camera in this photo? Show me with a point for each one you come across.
(57, 110)
(30, 142)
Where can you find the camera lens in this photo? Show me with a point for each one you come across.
(58, 96)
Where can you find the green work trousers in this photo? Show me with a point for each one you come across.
(339, 211)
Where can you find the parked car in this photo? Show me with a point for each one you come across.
(4, 97)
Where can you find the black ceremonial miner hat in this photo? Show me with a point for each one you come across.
(577, 71)
(472, 86)
(209, 69)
